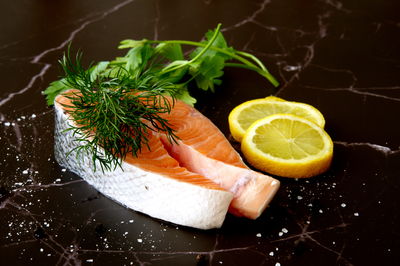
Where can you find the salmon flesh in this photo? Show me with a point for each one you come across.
(193, 182)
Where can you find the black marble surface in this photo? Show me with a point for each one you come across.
(343, 57)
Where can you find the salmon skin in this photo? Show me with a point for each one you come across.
(193, 182)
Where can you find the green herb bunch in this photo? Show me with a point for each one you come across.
(116, 103)
(113, 113)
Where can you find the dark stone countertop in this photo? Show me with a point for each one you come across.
(343, 57)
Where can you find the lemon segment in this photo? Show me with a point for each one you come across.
(245, 114)
(287, 145)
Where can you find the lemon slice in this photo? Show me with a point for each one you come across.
(245, 114)
(288, 146)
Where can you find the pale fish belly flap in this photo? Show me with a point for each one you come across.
(253, 191)
(144, 191)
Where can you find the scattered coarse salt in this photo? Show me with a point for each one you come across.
(25, 172)
(7, 124)
(320, 211)
(41, 250)
(343, 205)
(63, 170)
(58, 180)
(271, 253)
(89, 260)
(285, 230)
(139, 240)
(280, 233)
(33, 115)
(356, 214)
(258, 235)
(299, 197)
(130, 221)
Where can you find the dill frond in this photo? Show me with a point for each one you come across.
(115, 112)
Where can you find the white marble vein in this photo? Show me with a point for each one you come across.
(45, 66)
(379, 148)
(305, 234)
(362, 91)
(250, 18)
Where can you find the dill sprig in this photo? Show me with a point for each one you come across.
(114, 113)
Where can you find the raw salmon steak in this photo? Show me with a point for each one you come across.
(193, 182)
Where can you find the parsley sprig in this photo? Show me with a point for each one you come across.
(116, 103)
(204, 65)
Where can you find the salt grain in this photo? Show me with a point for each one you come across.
(289, 68)
(89, 260)
(258, 235)
(271, 253)
(7, 124)
(343, 205)
(356, 214)
(140, 240)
